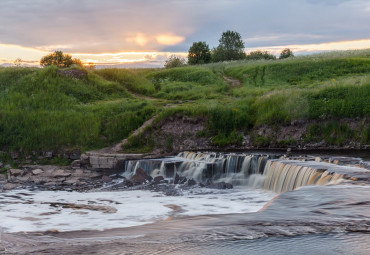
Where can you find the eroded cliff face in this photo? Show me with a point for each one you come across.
(179, 133)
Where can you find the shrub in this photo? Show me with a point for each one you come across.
(174, 61)
(286, 53)
(257, 55)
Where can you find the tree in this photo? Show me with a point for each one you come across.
(256, 55)
(199, 53)
(286, 53)
(174, 61)
(18, 62)
(231, 47)
(58, 58)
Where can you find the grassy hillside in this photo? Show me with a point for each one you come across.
(41, 109)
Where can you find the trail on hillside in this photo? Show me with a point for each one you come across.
(231, 81)
(118, 147)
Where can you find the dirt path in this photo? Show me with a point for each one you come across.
(232, 82)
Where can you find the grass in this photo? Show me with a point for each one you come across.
(43, 110)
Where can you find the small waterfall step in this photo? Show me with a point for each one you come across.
(271, 172)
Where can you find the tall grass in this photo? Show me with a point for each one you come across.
(42, 110)
(133, 81)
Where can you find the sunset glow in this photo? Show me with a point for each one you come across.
(145, 33)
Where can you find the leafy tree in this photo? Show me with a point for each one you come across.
(18, 62)
(199, 53)
(231, 47)
(286, 53)
(258, 54)
(174, 61)
(58, 58)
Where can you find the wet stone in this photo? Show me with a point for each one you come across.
(10, 186)
(106, 178)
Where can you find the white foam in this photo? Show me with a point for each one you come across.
(31, 211)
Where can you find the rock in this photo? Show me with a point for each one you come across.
(1, 164)
(23, 179)
(76, 164)
(37, 171)
(47, 154)
(104, 209)
(220, 185)
(73, 73)
(10, 186)
(50, 184)
(158, 179)
(95, 175)
(140, 177)
(71, 182)
(106, 178)
(127, 183)
(61, 173)
(183, 180)
(176, 180)
(15, 172)
(14, 155)
(191, 182)
(39, 181)
(75, 155)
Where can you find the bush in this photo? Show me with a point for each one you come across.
(257, 55)
(286, 53)
(174, 61)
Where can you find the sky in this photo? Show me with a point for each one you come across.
(143, 33)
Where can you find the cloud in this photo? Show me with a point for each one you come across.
(95, 26)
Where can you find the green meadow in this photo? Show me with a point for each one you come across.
(41, 109)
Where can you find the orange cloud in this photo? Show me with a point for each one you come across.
(329, 46)
(168, 39)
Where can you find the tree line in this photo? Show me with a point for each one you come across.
(231, 47)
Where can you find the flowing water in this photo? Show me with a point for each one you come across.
(255, 171)
(277, 206)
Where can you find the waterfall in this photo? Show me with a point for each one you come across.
(282, 176)
(254, 170)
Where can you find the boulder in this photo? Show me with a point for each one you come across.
(183, 180)
(140, 177)
(15, 172)
(76, 164)
(10, 186)
(220, 185)
(37, 171)
(191, 182)
(71, 182)
(106, 178)
(176, 180)
(2, 178)
(75, 155)
(158, 179)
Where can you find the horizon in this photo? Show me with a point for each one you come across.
(145, 33)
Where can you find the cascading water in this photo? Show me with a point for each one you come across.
(258, 171)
